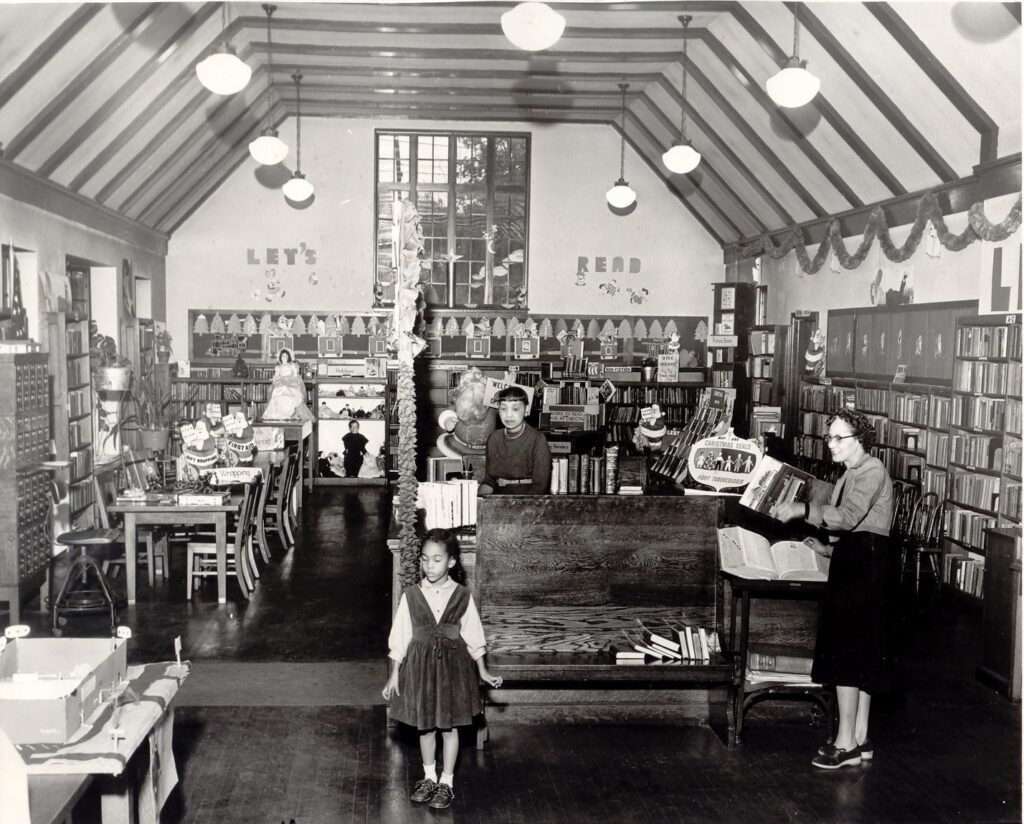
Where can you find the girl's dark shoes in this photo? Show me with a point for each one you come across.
(867, 749)
(442, 797)
(423, 791)
(834, 758)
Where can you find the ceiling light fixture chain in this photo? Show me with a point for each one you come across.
(793, 86)
(297, 188)
(682, 118)
(268, 149)
(620, 195)
(681, 158)
(269, 9)
(622, 143)
(297, 77)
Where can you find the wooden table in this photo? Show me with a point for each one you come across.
(42, 782)
(144, 514)
(299, 432)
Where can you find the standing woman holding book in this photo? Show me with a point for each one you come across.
(856, 648)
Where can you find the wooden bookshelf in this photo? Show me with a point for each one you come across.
(733, 316)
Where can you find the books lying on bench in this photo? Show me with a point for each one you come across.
(692, 645)
(749, 555)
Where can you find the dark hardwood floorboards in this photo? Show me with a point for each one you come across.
(947, 749)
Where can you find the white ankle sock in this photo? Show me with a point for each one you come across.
(449, 779)
(430, 771)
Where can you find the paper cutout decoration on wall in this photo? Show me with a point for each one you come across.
(545, 330)
(266, 324)
(250, 327)
(593, 330)
(298, 326)
(560, 327)
(311, 324)
(485, 327)
(467, 328)
(638, 296)
(577, 328)
(625, 329)
(701, 332)
(670, 329)
(640, 329)
(201, 326)
(234, 325)
(610, 288)
(217, 325)
(655, 330)
(358, 326)
(498, 328)
(343, 326)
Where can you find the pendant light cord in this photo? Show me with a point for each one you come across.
(682, 106)
(297, 77)
(622, 142)
(796, 31)
(269, 9)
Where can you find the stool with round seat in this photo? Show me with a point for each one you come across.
(76, 595)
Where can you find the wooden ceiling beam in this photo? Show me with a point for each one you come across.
(713, 205)
(182, 151)
(878, 98)
(705, 166)
(943, 79)
(989, 180)
(768, 105)
(46, 51)
(1014, 9)
(826, 109)
(79, 83)
(283, 74)
(106, 112)
(727, 151)
(669, 185)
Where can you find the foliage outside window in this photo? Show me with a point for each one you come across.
(471, 191)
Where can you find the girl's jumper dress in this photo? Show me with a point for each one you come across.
(438, 682)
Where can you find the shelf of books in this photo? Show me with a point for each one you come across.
(984, 437)
(765, 371)
(621, 412)
(728, 345)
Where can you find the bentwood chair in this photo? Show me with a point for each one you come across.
(924, 539)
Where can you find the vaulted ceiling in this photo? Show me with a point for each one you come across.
(103, 98)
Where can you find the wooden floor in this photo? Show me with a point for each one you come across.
(947, 749)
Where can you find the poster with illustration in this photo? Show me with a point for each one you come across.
(723, 461)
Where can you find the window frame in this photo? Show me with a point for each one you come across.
(490, 189)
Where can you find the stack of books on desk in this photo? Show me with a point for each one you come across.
(773, 663)
(203, 498)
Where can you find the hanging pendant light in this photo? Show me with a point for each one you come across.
(533, 26)
(222, 72)
(297, 188)
(268, 148)
(793, 86)
(620, 195)
(682, 157)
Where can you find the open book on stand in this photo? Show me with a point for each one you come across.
(749, 555)
(773, 483)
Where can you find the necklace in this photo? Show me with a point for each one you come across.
(519, 434)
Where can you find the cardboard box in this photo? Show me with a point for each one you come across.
(49, 686)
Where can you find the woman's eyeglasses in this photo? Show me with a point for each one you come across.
(836, 438)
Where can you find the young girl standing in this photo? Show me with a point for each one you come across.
(435, 638)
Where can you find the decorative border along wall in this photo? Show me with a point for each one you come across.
(221, 335)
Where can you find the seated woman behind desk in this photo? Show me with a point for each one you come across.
(518, 460)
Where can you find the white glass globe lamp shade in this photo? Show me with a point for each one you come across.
(297, 188)
(268, 148)
(681, 158)
(222, 72)
(793, 86)
(620, 195)
(533, 26)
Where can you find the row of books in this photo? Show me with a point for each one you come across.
(986, 376)
(80, 464)
(580, 475)
(661, 395)
(934, 480)
(80, 496)
(1012, 457)
(981, 491)
(79, 433)
(78, 371)
(965, 573)
(826, 398)
(906, 437)
(75, 340)
(712, 416)
(762, 392)
(968, 527)
(978, 412)
(765, 419)
(79, 402)
(988, 342)
(448, 504)
(762, 343)
(232, 393)
(901, 465)
(872, 401)
(910, 408)
(674, 416)
(570, 392)
(937, 449)
(1013, 415)
(722, 354)
(1011, 500)
(939, 412)
(759, 368)
(684, 643)
(721, 378)
(976, 451)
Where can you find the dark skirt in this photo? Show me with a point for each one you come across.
(858, 631)
(439, 687)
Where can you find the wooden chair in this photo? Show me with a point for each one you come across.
(105, 489)
(905, 498)
(202, 554)
(278, 505)
(924, 539)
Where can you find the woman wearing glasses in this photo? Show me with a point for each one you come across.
(856, 644)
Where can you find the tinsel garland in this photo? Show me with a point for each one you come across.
(407, 540)
(978, 228)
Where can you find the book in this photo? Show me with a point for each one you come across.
(650, 637)
(624, 651)
(686, 643)
(778, 658)
(749, 555)
(773, 483)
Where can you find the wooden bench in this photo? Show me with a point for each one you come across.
(558, 578)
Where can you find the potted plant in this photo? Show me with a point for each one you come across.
(153, 415)
(110, 372)
(162, 340)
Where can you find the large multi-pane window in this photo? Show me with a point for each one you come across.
(471, 191)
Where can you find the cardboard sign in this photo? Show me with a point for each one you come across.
(493, 387)
(668, 368)
(723, 340)
(610, 349)
(527, 348)
(649, 414)
(723, 461)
